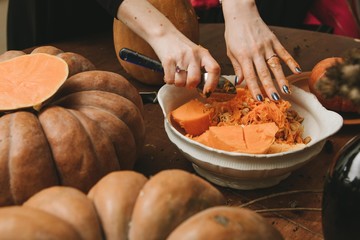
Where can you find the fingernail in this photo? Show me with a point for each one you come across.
(236, 80)
(259, 97)
(286, 89)
(297, 69)
(275, 96)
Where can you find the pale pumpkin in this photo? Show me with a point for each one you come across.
(179, 12)
(91, 126)
(172, 204)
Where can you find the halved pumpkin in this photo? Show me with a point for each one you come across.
(91, 126)
(30, 80)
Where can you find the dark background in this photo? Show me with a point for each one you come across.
(38, 22)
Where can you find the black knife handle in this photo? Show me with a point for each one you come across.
(140, 59)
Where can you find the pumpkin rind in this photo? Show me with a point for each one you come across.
(121, 107)
(114, 197)
(29, 223)
(104, 81)
(26, 162)
(119, 134)
(179, 12)
(167, 199)
(225, 222)
(76, 62)
(63, 202)
(47, 49)
(74, 137)
(173, 203)
(11, 54)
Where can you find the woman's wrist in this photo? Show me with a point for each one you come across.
(239, 10)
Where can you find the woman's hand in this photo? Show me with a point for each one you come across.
(182, 59)
(255, 52)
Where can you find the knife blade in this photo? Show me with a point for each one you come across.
(224, 91)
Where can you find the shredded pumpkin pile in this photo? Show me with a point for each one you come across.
(244, 110)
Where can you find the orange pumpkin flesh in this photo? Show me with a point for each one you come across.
(183, 17)
(336, 103)
(193, 117)
(30, 80)
(255, 139)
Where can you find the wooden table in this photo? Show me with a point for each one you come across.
(159, 153)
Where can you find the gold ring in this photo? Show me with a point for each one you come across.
(179, 69)
(272, 56)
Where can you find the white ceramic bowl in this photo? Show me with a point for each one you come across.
(251, 171)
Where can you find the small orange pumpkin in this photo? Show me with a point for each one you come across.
(336, 103)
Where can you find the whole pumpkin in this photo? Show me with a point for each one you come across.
(91, 126)
(179, 12)
(172, 204)
(335, 103)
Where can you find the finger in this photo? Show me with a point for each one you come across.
(169, 72)
(287, 58)
(193, 76)
(251, 79)
(213, 70)
(238, 71)
(266, 78)
(211, 82)
(180, 76)
(275, 66)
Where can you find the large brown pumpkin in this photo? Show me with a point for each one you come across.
(130, 206)
(93, 125)
(179, 12)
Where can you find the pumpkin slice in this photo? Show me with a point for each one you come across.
(255, 138)
(259, 137)
(193, 117)
(29, 80)
(228, 138)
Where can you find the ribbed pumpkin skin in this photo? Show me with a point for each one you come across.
(92, 126)
(171, 204)
(179, 12)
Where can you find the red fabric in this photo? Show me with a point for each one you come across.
(204, 3)
(336, 14)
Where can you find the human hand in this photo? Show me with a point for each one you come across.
(254, 50)
(182, 59)
(183, 62)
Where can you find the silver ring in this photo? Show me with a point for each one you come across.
(179, 69)
(272, 56)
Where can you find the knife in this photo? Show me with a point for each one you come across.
(224, 91)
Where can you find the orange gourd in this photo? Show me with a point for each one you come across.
(179, 12)
(336, 103)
